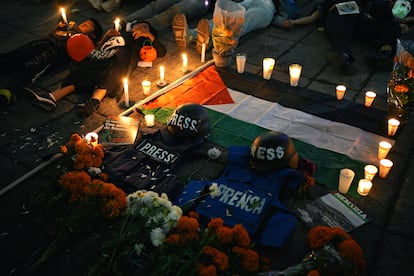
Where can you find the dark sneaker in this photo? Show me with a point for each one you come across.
(203, 35)
(341, 62)
(180, 29)
(42, 98)
(382, 60)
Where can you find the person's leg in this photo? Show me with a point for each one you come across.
(259, 14)
(152, 9)
(47, 100)
(191, 8)
(340, 32)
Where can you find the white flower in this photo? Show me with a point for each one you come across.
(214, 190)
(213, 153)
(157, 236)
(94, 170)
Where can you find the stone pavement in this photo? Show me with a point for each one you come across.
(29, 137)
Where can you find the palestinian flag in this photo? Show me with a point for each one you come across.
(332, 138)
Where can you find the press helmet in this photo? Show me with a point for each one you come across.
(273, 150)
(189, 120)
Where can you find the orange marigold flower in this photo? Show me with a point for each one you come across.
(313, 272)
(64, 149)
(173, 239)
(75, 182)
(193, 214)
(410, 74)
(350, 250)
(338, 231)
(189, 236)
(250, 258)
(224, 234)
(401, 88)
(103, 176)
(219, 258)
(241, 236)
(187, 224)
(209, 270)
(410, 62)
(319, 236)
(215, 223)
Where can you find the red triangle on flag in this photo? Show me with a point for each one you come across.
(205, 88)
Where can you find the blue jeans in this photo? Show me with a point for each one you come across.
(259, 15)
(160, 13)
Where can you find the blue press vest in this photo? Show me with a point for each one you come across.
(249, 198)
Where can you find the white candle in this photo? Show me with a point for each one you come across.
(370, 171)
(294, 74)
(117, 24)
(63, 13)
(383, 148)
(92, 138)
(185, 62)
(340, 92)
(203, 52)
(369, 98)
(162, 74)
(126, 92)
(149, 120)
(385, 167)
(393, 126)
(364, 186)
(146, 87)
(268, 65)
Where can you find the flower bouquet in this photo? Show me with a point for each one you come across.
(228, 19)
(333, 252)
(91, 198)
(400, 87)
(148, 219)
(215, 250)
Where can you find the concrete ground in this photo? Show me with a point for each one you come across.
(29, 136)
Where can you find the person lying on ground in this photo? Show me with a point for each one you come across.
(259, 14)
(342, 29)
(30, 59)
(160, 13)
(115, 58)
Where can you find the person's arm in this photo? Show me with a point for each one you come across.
(306, 20)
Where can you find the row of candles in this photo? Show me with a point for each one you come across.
(346, 175)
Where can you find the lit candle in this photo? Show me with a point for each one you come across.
(162, 74)
(369, 98)
(203, 52)
(185, 62)
(370, 171)
(385, 167)
(364, 186)
(146, 87)
(340, 92)
(117, 24)
(268, 65)
(64, 18)
(294, 74)
(149, 120)
(126, 92)
(383, 149)
(92, 138)
(393, 126)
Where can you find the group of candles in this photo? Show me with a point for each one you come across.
(346, 176)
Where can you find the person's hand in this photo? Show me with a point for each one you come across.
(288, 24)
(111, 32)
(140, 33)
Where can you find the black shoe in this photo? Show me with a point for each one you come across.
(342, 62)
(42, 98)
(382, 60)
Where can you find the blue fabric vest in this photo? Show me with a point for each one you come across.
(248, 197)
